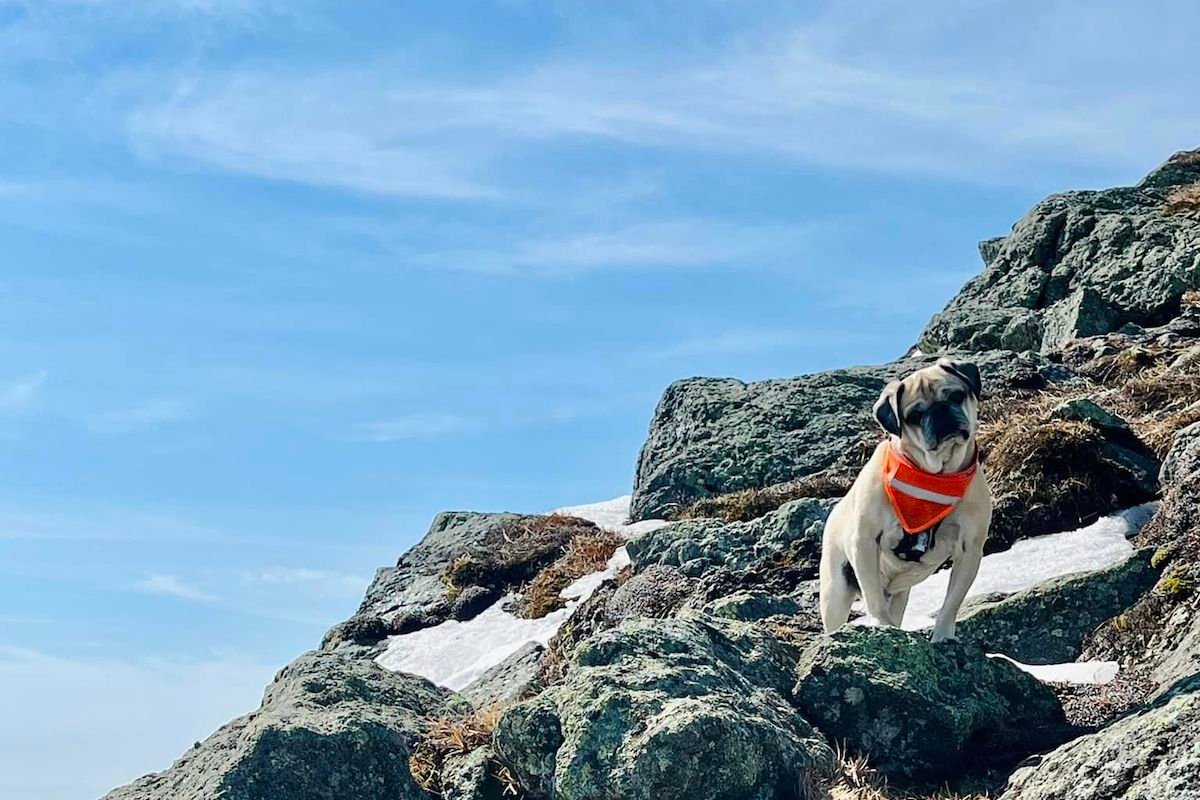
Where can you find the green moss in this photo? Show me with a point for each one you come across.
(1174, 586)
(1160, 558)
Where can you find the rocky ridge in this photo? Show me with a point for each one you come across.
(701, 672)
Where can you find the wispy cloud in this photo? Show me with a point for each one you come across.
(19, 394)
(141, 416)
(742, 341)
(835, 90)
(173, 586)
(666, 244)
(323, 581)
(430, 425)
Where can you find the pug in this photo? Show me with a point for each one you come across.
(920, 501)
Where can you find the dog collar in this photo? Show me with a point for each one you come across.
(922, 499)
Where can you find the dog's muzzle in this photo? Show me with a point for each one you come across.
(944, 421)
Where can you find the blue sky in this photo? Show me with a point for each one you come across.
(283, 280)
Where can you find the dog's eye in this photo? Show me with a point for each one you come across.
(913, 417)
(957, 396)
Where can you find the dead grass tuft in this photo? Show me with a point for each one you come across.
(1188, 158)
(515, 552)
(1185, 200)
(451, 736)
(855, 779)
(585, 554)
(751, 504)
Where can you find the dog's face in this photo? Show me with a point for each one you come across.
(933, 409)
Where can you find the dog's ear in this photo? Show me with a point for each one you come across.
(887, 407)
(966, 371)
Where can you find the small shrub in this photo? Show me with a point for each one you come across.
(449, 736)
(583, 555)
(1175, 587)
(1185, 200)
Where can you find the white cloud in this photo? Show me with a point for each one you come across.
(19, 395)
(321, 580)
(865, 90)
(431, 425)
(141, 416)
(670, 244)
(116, 719)
(173, 586)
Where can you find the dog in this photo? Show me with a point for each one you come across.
(921, 500)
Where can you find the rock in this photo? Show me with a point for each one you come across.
(1063, 471)
(1046, 624)
(465, 563)
(331, 727)
(1160, 634)
(1183, 459)
(751, 606)
(697, 546)
(1079, 264)
(1153, 754)
(412, 594)
(658, 592)
(361, 629)
(1081, 409)
(471, 776)
(508, 681)
(685, 708)
(714, 436)
(920, 710)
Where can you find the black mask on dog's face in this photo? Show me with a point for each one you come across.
(940, 410)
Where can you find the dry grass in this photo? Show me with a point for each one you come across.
(583, 555)
(1159, 402)
(515, 552)
(751, 504)
(453, 736)
(1185, 200)
(855, 779)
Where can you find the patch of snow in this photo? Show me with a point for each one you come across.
(1094, 672)
(613, 515)
(1030, 561)
(455, 653)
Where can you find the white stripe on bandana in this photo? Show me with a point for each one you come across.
(924, 494)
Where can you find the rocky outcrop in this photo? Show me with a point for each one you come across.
(412, 594)
(508, 681)
(465, 563)
(714, 436)
(1079, 264)
(332, 726)
(699, 546)
(1153, 754)
(1063, 470)
(919, 711)
(689, 708)
(1048, 623)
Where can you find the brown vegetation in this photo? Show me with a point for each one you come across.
(515, 552)
(1184, 200)
(585, 554)
(855, 779)
(751, 504)
(456, 736)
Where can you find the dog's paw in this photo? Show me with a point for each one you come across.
(943, 637)
(868, 621)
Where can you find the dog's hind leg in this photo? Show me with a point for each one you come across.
(839, 588)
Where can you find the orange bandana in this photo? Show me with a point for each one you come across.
(922, 499)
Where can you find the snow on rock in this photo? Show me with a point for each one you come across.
(1030, 561)
(613, 515)
(1096, 672)
(455, 653)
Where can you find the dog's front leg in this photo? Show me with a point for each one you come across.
(864, 559)
(962, 575)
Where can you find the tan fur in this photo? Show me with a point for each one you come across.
(862, 530)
